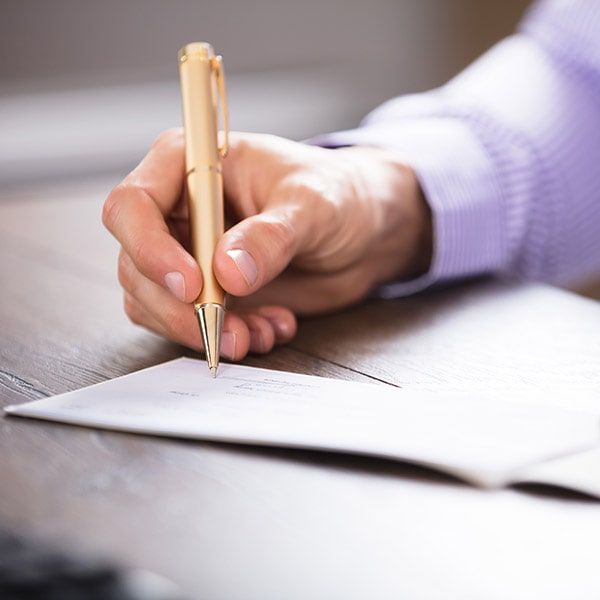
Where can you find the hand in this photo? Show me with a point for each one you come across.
(313, 230)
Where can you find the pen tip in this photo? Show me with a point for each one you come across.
(213, 371)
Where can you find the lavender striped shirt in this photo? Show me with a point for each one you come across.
(508, 153)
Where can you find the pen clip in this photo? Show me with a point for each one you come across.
(217, 66)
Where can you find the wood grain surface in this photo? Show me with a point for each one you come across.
(230, 522)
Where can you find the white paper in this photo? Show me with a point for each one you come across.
(485, 441)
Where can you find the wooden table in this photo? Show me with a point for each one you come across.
(230, 522)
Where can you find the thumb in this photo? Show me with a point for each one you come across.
(258, 249)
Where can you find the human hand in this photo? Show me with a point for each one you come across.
(313, 230)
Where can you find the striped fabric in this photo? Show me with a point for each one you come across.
(508, 153)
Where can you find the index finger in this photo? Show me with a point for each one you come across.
(160, 174)
(135, 212)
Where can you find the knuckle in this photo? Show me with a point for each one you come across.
(315, 201)
(124, 270)
(280, 236)
(319, 197)
(242, 144)
(171, 136)
(137, 251)
(130, 278)
(112, 207)
(132, 309)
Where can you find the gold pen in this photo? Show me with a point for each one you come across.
(202, 84)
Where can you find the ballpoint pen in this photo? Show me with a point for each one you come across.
(202, 85)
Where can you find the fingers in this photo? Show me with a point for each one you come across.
(269, 326)
(135, 212)
(151, 306)
(256, 329)
(161, 172)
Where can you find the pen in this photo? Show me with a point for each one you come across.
(202, 85)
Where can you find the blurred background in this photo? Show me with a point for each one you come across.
(85, 86)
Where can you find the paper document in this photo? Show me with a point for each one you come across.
(485, 441)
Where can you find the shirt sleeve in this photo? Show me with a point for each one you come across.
(508, 153)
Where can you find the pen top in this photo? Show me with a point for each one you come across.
(201, 50)
(203, 94)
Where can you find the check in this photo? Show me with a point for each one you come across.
(485, 441)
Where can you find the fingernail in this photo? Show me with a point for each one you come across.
(228, 344)
(176, 284)
(245, 265)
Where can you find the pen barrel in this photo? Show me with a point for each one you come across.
(205, 191)
(199, 94)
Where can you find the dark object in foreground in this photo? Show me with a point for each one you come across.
(31, 569)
